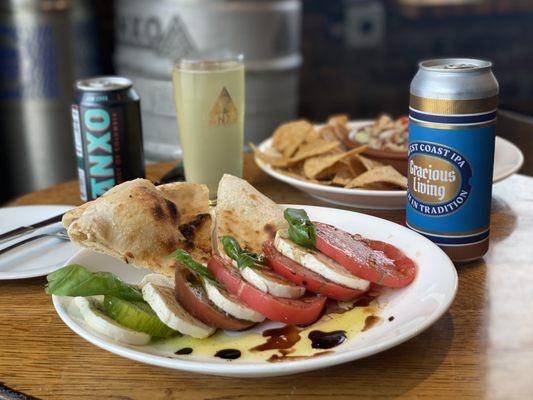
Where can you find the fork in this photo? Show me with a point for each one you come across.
(61, 234)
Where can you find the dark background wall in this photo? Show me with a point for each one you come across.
(360, 56)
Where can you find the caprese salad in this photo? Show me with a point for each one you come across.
(299, 269)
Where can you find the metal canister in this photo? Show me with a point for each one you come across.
(44, 44)
(151, 35)
(106, 123)
(452, 117)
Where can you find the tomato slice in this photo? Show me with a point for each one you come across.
(192, 296)
(302, 276)
(373, 260)
(290, 311)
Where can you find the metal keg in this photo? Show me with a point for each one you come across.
(39, 41)
(151, 35)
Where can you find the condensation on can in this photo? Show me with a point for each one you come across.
(452, 117)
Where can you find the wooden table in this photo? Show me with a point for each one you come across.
(481, 348)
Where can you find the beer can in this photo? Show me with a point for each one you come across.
(106, 123)
(452, 117)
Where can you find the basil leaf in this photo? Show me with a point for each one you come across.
(301, 230)
(75, 280)
(231, 246)
(244, 258)
(188, 262)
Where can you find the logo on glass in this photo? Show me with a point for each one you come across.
(438, 179)
(223, 111)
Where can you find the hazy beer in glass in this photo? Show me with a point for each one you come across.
(209, 98)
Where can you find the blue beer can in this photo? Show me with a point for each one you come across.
(452, 118)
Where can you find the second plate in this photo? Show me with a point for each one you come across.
(507, 160)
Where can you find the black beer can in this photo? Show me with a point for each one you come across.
(106, 123)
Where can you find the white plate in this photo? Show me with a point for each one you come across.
(414, 308)
(508, 159)
(36, 258)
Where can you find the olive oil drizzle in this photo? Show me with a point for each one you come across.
(370, 321)
(340, 323)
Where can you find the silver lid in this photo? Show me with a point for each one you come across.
(455, 65)
(103, 83)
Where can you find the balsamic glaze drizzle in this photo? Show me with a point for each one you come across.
(326, 340)
(228, 354)
(184, 351)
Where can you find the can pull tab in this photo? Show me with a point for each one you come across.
(459, 66)
(101, 83)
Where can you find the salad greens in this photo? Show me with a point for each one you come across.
(244, 258)
(301, 230)
(75, 280)
(122, 302)
(188, 262)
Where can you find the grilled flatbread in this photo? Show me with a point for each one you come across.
(190, 198)
(139, 224)
(246, 214)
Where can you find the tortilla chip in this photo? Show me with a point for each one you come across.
(356, 165)
(362, 164)
(339, 125)
(347, 163)
(289, 136)
(327, 132)
(322, 167)
(312, 135)
(384, 174)
(325, 166)
(246, 214)
(338, 119)
(271, 159)
(297, 174)
(312, 149)
(344, 175)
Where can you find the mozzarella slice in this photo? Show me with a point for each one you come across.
(319, 263)
(231, 306)
(271, 283)
(104, 325)
(171, 313)
(157, 279)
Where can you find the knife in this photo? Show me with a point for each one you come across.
(29, 228)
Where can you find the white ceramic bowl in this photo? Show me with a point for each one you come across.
(508, 159)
